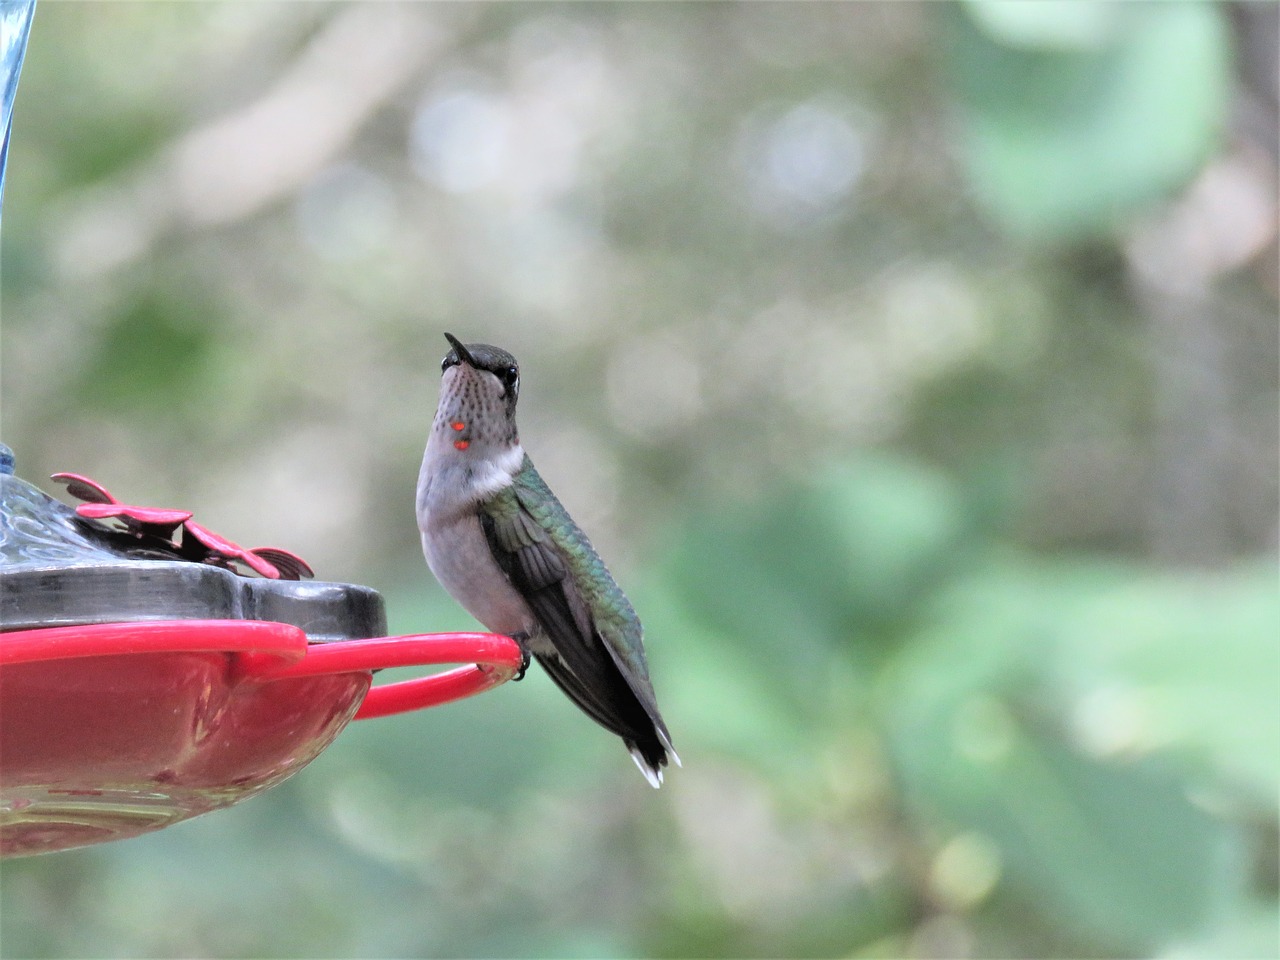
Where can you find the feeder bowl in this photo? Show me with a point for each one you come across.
(137, 693)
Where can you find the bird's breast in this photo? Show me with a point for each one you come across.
(459, 556)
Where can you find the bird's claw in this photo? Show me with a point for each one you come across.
(522, 642)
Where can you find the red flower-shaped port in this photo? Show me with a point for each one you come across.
(222, 547)
(154, 528)
(290, 565)
(101, 505)
(156, 520)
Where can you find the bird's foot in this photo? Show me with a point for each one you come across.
(522, 640)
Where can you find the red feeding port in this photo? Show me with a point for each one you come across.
(117, 729)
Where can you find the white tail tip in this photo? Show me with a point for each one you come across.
(671, 751)
(653, 775)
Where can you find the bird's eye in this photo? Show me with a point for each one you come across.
(450, 361)
(511, 381)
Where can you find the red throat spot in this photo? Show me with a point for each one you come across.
(461, 444)
(458, 425)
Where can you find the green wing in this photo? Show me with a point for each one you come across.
(582, 611)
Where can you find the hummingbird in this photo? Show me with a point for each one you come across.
(501, 544)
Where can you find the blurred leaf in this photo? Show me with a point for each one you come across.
(713, 697)
(818, 571)
(1063, 142)
(1254, 932)
(1113, 847)
(1047, 24)
(159, 342)
(897, 526)
(1190, 661)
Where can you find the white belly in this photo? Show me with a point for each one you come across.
(459, 556)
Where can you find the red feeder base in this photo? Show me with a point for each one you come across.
(114, 730)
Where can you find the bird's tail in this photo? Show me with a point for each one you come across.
(652, 757)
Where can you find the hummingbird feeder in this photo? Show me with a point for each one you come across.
(151, 670)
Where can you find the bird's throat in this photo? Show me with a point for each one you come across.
(452, 480)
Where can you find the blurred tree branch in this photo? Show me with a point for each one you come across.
(262, 152)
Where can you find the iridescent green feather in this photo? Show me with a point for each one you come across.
(612, 612)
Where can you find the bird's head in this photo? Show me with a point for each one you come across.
(479, 386)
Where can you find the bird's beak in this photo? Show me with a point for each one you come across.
(463, 354)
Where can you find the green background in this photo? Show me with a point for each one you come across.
(913, 366)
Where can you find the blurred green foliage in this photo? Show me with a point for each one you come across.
(1073, 116)
(864, 341)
